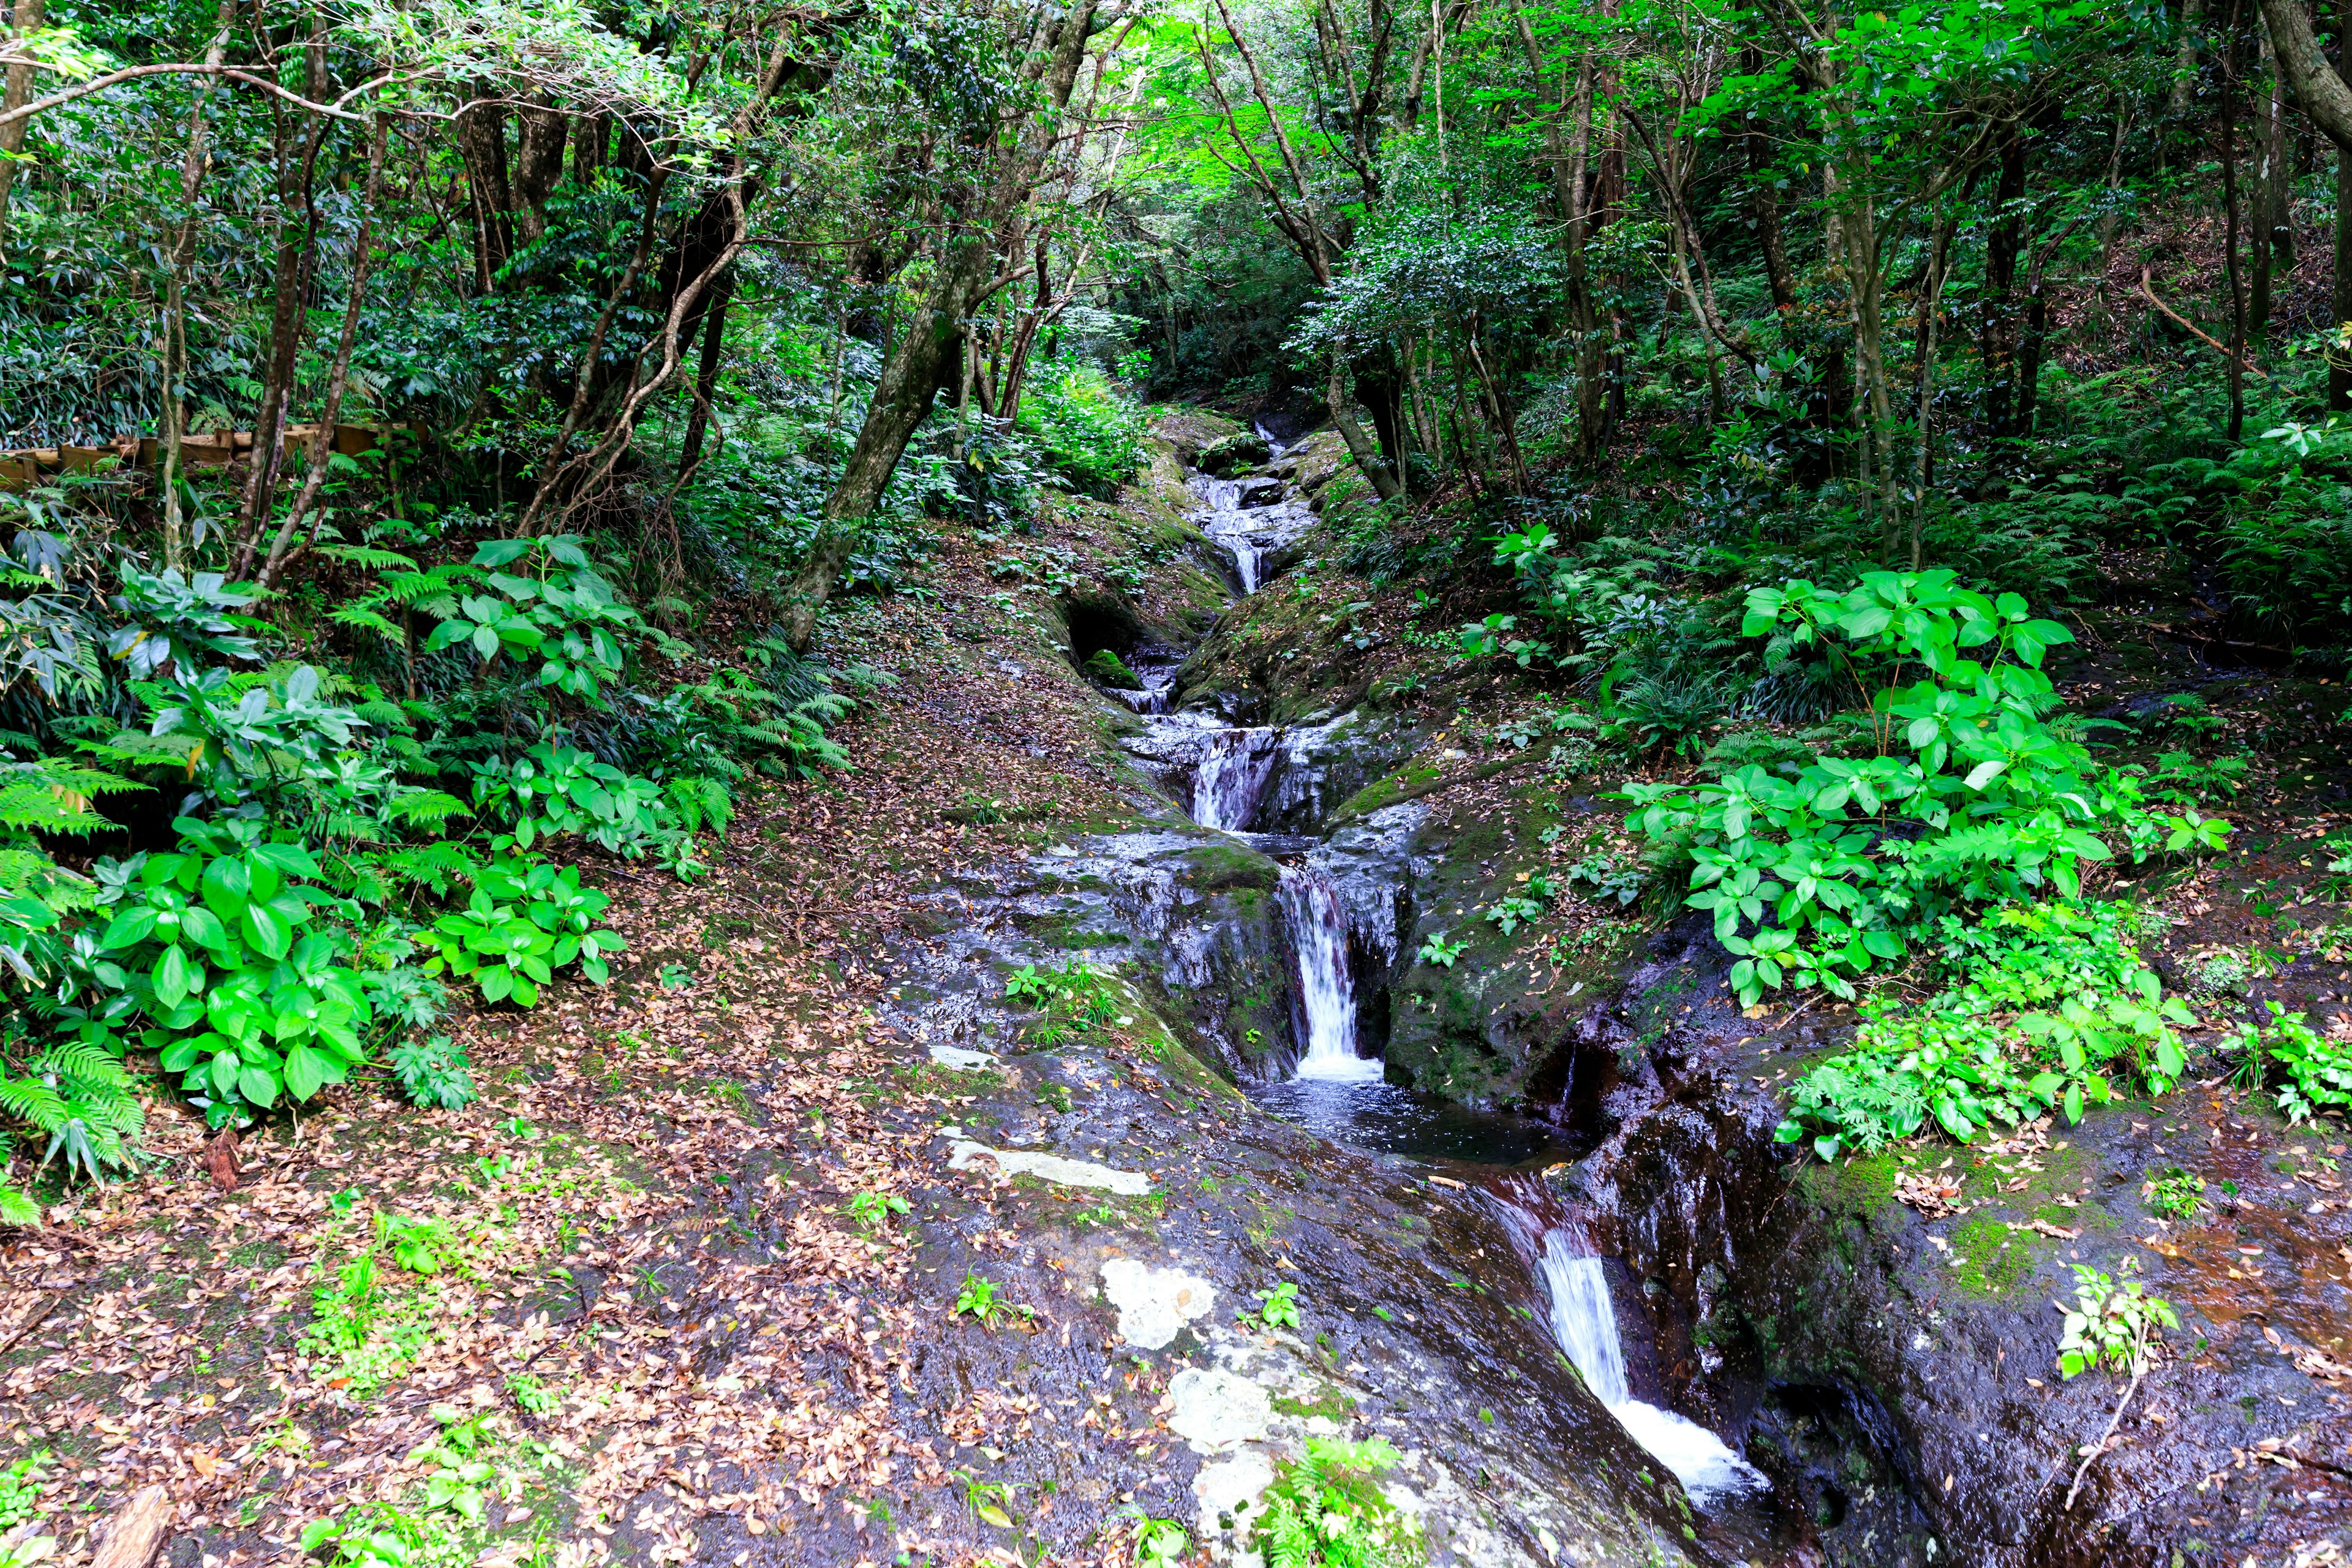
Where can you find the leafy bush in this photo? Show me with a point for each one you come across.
(434, 1072)
(1815, 880)
(2317, 1072)
(1090, 431)
(525, 921)
(2042, 1002)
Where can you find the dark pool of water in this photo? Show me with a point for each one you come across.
(1383, 1119)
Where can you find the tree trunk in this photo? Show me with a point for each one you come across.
(1997, 324)
(175, 287)
(19, 88)
(2270, 189)
(1764, 210)
(538, 163)
(2236, 374)
(482, 147)
(1361, 446)
(706, 378)
(2184, 68)
(929, 354)
(323, 439)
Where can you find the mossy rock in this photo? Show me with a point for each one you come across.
(1108, 668)
(1229, 455)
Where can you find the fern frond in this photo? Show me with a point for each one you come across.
(28, 1100)
(429, 808)
(85, 1066)
(365, 555)
(366, 620)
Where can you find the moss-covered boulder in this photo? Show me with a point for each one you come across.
(1107, 668)
(1234, 455)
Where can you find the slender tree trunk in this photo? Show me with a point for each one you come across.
(1997, 325)
(2339, 362)
(928, 355)
(2237, 355)
(323, 439)
(2270, 186)
(28, 17)
(176, 287)
(706, 378)
(297, 253)
(1931, 300)
(482, 146)
(2184, 68)
(1764, 211)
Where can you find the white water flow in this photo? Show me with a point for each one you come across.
(1226, 521)
(1234, 766)
(1585, 1326)
(1318, 934)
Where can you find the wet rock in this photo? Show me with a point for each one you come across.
(1154, 1304)
(967, 1155)
(1230, 455)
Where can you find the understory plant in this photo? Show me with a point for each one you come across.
(2314, 1073)
(1328, 1509)
(2043, 1007)
(1973, 797)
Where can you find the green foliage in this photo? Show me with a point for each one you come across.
(1277, 1308)
(171, 621)
(434, 1072)
(2316, 1071)
(982, 1301)
(1327, 1509)
(1091, 432)
(1436, 949)
(1075, 997)
(557, 611)
(524, 920)
(379, 1535)
(417, 1245)
(872, 1211)
(2042, 1004)
(1816, 880)
(20, 1488)
(2173, 1191)
(213, 944)
(2112, 1324)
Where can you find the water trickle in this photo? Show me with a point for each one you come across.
(1584, 1325)
(1233, 768)
(1318, 934)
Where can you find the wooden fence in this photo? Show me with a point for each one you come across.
(27, 466)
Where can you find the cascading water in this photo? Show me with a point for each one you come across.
(1584, 1325)
(1235, 765)
(1318, 933)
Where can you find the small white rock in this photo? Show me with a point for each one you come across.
(1216, 1410)
(1154, 1304)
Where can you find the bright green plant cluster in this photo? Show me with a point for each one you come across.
(2112, 1324)
(524, 920)
(2314, 1074)
(1092, 433)
(2175, 1192)
(1327, 1509)
(1075, 999)
(1972, 798)
(2044, 1004)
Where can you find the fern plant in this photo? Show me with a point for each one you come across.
(73, 1091)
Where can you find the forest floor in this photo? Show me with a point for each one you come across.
(645, 1302)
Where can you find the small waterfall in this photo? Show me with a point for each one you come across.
(1233, 769)
(1584, 1325)
(1221, 518)
(1318, 934)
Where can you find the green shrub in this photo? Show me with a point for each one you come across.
(2317, 1072)
(1090, 431)
(1328, 1509)
(1816, 879)
(2043, 1004)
